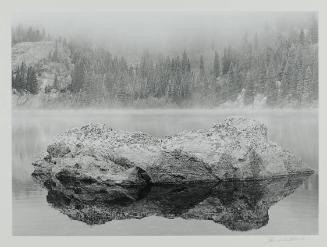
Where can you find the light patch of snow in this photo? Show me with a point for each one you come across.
(38, 55)
(30, 52)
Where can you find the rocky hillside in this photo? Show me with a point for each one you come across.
(50, 59)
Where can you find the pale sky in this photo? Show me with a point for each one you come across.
(161, 31)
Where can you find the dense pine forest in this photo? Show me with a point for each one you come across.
(281, 73)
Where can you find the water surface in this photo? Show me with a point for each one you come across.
(33, 213)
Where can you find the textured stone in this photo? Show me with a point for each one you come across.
(236, 149)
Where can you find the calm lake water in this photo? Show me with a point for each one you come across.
(33, 130)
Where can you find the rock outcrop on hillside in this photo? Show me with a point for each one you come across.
(238, 205)
(48, 58)
(236, 149)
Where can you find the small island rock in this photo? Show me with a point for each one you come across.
(235, 149)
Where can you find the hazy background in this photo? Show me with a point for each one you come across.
(166, 58)
(129, 33)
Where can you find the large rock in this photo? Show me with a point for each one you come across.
(236, 149)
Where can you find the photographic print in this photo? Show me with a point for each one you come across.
(164, 123)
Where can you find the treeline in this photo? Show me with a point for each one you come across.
(98, 76)
(286, 73)
(24, 79)
(28, 34)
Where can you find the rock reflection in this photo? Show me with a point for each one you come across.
(238, 205)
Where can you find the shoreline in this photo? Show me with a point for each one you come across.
(168, 110)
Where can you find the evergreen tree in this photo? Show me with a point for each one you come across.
(256, 42)
(261, 78)
(23, 76)
(216, 66)
(78, 76)
(226, 60)
(299, 89)
(56, 83)
(249, 90)
(20, 79)
(234, 82)
(299, 80)
(314, 30)
(55, 54)
(302, 37)
(271, 86)
(272, 93)
(307, 86)
(293, 80)
(315, 81)
(287, 80)
(186, 66)
(89, 88)
(13, 81)
(202, 71)
(32, 85)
